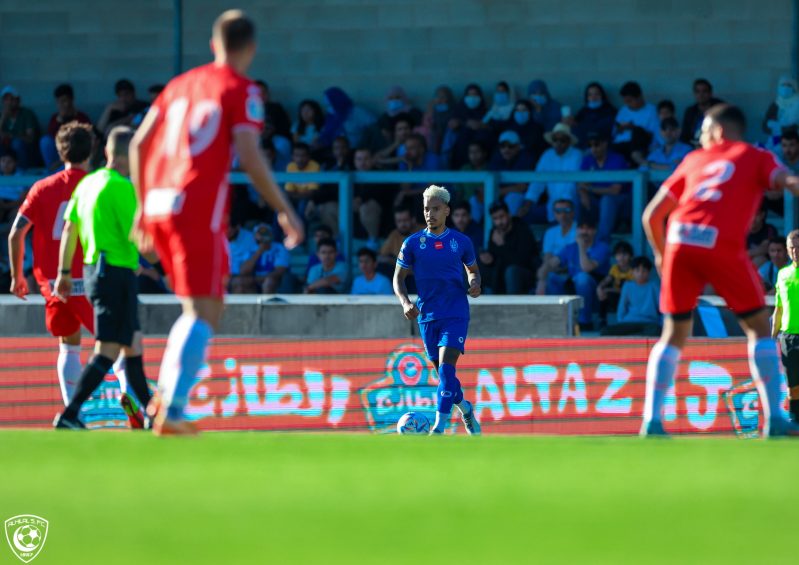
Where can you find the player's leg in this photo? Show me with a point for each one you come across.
(789, 346)
(68, 364)
(93, 374)
(451, 345)
(135, 379)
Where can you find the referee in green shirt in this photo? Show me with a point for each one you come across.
(101, 213)
(785, 324)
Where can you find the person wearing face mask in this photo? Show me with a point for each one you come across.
(436, 118)
(501, 110)
(783, 112)
(396, 104)
(529, 131)
(546, 111)
(596, 115)
(466, 126)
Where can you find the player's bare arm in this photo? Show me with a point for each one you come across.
(475, 281)
(69, 242)
(253, 162)
(786, 181)
(654, 222)
(137, 145)
(775, 322)
(16, 254)
(409, 309)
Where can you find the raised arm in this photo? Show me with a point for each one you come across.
(409, 309)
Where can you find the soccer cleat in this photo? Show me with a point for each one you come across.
(135, 417)
(471, 423)
(62, 422)
(783, 428)
(653, 428)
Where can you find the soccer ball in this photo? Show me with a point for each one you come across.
(29, 536)
(413, 423)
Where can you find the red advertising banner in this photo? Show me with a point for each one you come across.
(549, 386)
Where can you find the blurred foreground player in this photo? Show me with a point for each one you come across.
(180, 157)
(710, 202)
(101, 212)
(436, 256)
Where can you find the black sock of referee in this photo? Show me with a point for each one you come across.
(93, 374)
(134, 372)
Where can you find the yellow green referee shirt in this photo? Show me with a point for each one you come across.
(786, 295)
(103, 207)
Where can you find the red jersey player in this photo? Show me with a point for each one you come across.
(710, 201)
(44, 208)
(180, 158)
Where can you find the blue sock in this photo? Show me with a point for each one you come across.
(660, 371)
(449, 388)
(764, 363)
(183, 359)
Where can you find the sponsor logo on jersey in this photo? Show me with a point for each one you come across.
(697, 235)
(439, 245)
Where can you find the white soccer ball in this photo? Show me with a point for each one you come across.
(413, 423)
(30, 537)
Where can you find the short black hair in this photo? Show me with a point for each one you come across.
(481, 144)
(64, 89)
(631, 88)
(326, 242)
(366, 251)
(780, 240)
(641, 261)
(460, 205)
(74, 142)
(791, 133)
(623, 247)
(704, 81)
(669, 123)
(420, 138)
(261, 83)
(728, 116)
(9, 152)
(496, 206)
(402, 208)
(301, 145)
(325, 228)
(403, 117)
(363, 148)
(156, 88)
(124, 84)
(666, 104)
(235, 30)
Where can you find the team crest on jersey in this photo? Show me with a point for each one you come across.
(254, 108)
(453, 245)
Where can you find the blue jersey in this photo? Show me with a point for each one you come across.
(437, 262)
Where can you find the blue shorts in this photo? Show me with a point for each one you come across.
(449, 332)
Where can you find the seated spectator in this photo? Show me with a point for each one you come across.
(341, 157)
(282, 145)
(241, 246)
(778, 258)
(121, 111)
(390, 156)
(310, 120)
(370, 202)
(65, 112)
(789, 145)
(585, 262)
(540, 197)
(436, 119)
(555, 239)
(370, 281)
(418, 159)
(466, 126)
(268, 267)
(638, 312)
(760, 234)
(511, 156)
(473, 192)
(671, 152)
(300, 193)
(666, 109)
(11, 196)
(320, 232)
(597, 115)
(694, 114)
(503, 104)
(783, 112)
(405, 225)
(462, 220)
(397, 104)
(636, 123)
(530, 132)
(510, 263)
(607, 200)
(609, 289)
(19, 128)
(546, 111)
(329, 276)
(343, 118)
(150, 278)
(275, 111)
(152, 93)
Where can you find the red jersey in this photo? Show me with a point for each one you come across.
(44, 208)
(187, 158)
(718, 193)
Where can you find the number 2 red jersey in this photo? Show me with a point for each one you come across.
(718, 192)
(188, 155)
(44, 208)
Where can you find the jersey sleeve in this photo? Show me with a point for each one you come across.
(675, 184)
(467, 255)
(30, 206)
(405, 257)
(71, 211)
(245, 109)
(770, 165)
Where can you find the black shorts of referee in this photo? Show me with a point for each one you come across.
(113, 292)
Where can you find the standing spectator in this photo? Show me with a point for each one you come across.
(370, 281)
(530, 132)
(65, 112)
(502, 107)
(512, 157)
(546, 111)
(785, 322)
(241, 246)
(512, 256)
(778, 258)
(585, 262)
(435, 122)
(671, 151)
(636, 123)
(310, 120)
(693, 116)
(343, 118)
(122, 110)
(760, 233)
(555, 239)
(561, 157)
(466, 126)
(268, 267)
(783, 112)
(609, 289)
(638, 312)
(397, 104)
(300, 193)
(462, 220)
(19, 128)
(329, 276)
(789, 144)
(275, 111)
(609, 200)
(597, 115)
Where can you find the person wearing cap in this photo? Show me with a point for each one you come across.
(561, 157)
(268, 266)
(19, 128)
(512, 156)
(604, 201)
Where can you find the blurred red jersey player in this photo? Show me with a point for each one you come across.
(710, 201)
(180, 159)
(44, 208)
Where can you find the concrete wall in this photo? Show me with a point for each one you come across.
(365, 46)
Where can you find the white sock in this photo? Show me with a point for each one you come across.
(442, 420)
(69, 369)
(119, 373)
(465, 407)
(764, 363)
(660, 369)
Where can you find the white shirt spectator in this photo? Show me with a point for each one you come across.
(645, 117)
(378, 285)
(555, 240)
(550, 161)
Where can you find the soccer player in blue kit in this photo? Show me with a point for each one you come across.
(437, 256)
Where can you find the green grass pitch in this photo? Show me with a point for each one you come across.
(116, 497)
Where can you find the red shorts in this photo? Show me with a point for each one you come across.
(65, 318)
(196, 261)
(687, 270)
